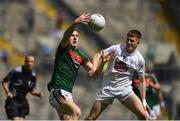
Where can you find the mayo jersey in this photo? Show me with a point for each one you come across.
(121, 67)
(67, 63)
(151, 93)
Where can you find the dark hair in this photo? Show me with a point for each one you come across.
(134, 33)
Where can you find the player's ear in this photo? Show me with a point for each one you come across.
(138, 41)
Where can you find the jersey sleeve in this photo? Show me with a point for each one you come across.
(154, 79)
(110, 49)
(141, 67)
(9, 76)
(85, 59)
(32, 85)
(60, 51)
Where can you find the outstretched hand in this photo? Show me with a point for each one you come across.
(106, 58)
(83, 18)
(92, 74)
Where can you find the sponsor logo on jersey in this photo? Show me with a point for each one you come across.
(75, 56)
(18, 82)
(120, 66)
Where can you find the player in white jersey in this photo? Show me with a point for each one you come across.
(123, 59)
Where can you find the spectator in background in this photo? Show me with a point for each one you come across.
(151, 54)
(59, 31)
(4, 55)
(61, 15)
(17, 84)
(30, 20)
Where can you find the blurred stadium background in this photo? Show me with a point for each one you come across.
(35, 26)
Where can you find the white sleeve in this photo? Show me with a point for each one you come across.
(141, 67)
(110, 49)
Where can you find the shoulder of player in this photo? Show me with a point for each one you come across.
(18, 69)
(117, 46)
(61, 48)
(139, 55)
(33, 73)
(81, 52)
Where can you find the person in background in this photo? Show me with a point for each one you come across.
(17, 84)
(154, 95)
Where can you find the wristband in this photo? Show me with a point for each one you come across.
(162, 104)
(144, 102)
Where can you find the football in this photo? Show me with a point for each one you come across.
(97, 22)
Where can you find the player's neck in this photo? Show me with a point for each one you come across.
(130, 51)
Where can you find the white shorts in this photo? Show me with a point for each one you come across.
(155, 112)
(58, 97)
(107, 95)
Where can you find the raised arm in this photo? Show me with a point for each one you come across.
(105, 60)
(95, 63)
(82, 19)
(98, 61)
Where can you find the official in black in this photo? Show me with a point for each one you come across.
(17, 84)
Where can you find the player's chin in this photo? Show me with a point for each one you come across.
(29, 67)
(130, 49)
(74, 45)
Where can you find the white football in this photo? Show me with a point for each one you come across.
(97, 22)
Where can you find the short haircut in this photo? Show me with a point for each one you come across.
(29, 55)
(134, 33)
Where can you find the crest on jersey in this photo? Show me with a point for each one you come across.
(120, 66)
(76, 58)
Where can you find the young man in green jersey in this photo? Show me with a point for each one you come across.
(154, 95)
(68, 59)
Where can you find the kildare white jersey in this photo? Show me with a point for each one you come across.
(121, 67)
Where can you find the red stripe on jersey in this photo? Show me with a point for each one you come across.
(87, 62)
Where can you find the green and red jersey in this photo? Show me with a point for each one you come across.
(151, 93)
(66, 66)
